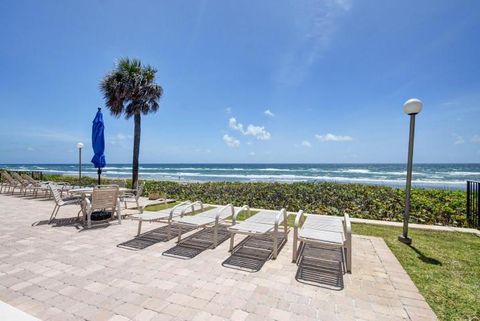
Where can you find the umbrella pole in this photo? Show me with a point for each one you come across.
(99, 172)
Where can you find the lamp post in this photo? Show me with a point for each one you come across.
(79, 146)
(411, 107)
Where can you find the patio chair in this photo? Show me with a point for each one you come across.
(4, 184)
(210, 217)
(264, 223)
(12, 184)
(326, 231)
(36, 185)
(165, 215)
(104, 204)
(62, 201)
(26, 184)
(132, 197)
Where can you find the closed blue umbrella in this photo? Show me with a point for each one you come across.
(98, 143)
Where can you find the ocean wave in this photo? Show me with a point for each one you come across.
(455, 173)
(358, 171)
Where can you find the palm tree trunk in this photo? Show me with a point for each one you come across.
(136, 150)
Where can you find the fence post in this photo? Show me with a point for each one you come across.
(477, 224)
(469, 214)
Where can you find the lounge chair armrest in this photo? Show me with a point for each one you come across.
(177, 206)
(223, 209)
(244, 208)
(158, 201)
(347, 225)
(192, 206)
(298, 218)
(283, 212)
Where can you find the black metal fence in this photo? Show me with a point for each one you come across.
(473, 200)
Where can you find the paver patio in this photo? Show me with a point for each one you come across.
(66, 273)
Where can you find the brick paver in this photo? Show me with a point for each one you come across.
(67, 273)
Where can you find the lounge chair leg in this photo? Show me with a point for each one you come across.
(349, 258)
(232, 241)
(275, 246)
(179, 233)
(215, 236)
(139, 227)
(53, 214)
(295, 245)
(345, 260)
(89, 221)
(169, 230)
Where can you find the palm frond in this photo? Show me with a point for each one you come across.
(130, 89)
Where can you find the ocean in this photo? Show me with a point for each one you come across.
(441, 176)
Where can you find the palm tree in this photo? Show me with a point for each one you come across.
(130, 89)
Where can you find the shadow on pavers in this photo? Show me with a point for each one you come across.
(152, 237)
(320, 266)
(252, 253)
(61, 222)
(196, 243)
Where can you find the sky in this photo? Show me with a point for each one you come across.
(245, 81)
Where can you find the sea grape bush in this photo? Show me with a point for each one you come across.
(428, 206)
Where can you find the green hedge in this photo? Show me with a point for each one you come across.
(429, 206)
(361, 201)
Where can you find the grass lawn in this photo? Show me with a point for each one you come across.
(445, 266)
(159, 207)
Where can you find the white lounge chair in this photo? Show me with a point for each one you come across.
(204, 219)
(327, 231)
(263, 223)
(165, 215)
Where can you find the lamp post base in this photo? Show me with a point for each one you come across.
(405, 239)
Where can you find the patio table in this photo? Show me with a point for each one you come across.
(89, 190)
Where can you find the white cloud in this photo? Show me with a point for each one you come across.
(120, 139)
(259, 132)
(269, 113)
(232, 123)
(306, 143)
(228, 110)
(231, 141)
(251, 153)
(30, 149)
(333, 138)
(458, 139)
(475, 139)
